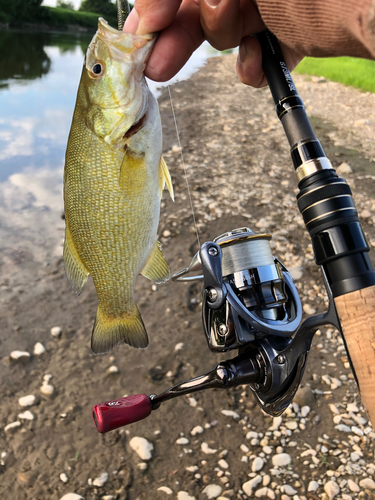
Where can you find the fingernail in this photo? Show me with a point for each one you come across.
(212, 3)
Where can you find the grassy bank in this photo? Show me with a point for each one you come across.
(55, 17)
(358, 73)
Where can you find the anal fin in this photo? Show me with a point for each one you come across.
(156, 268)
(75, 271)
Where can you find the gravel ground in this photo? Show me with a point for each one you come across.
(217, 444)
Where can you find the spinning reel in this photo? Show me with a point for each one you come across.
(250, 303)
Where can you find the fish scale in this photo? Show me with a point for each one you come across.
(113, 185)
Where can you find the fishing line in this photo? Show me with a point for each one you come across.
(183, 164)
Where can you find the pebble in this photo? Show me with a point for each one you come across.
(281, 459)
(47, 389)
(166, 490)
(56, 331)
(13, 426)
(257, 464)
(101, 480)
(365, 214)
(39, 349)
(305, 410)
(26, 415)
(182, 440)
(113, 370)
(277, 421)
(332, 489)
(72, 496)
(142, 466)
(353, 486)
(212, 491)
(142, 447)
(344, 169)
(193, 402)
(179, 346)
(265, 492)
(304, 397)
(249, 486)
(192, 468)
(313, 486)
(230, 413)
(223, 464)
(207, 450)
(183, 495)
(27, 400)
(367, 483)
(296, 272)
(197, 430)
(20, 356)
(292, 425)
(308, 309)
(289, 490)
(63, 477)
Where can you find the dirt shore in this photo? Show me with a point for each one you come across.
(239, 171)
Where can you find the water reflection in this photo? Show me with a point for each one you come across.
(39, 76)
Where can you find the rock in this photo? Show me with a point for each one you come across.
(142, 447)
(63, 477)
(265, 492)
(249, 486)
(183, 495)
(113, 370)
(230, 413)
(356, 430)
(277, 421)
(197, 430)
(367, 483)
(20, 356)
(166, 233)
(72, 496)
(28, 478)
(12, 427)
(257, 464)
(343, 428)
(313, 486)
(166, 490)
(308, 309)
(344, 169)
(296, 272)
(142, 466)
(291, 424)
(365, 214)
(212, 490)
(179, 346)
(26, 415)
(223, 464)
(304, 397)
(305, 410)
(101, 480)
(182, 440)
(206, 449)
(353, 486)
(332, 489)
(281, 459)
(56, 331)
(47, 389)
(289, 490)
(26, 401)
(39, 349)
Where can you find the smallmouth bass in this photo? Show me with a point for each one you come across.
(113, 179)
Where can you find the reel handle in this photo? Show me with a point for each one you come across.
(113, 414)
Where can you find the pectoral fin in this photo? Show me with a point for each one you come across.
(75, 271)
(156, 268)
(165, 177)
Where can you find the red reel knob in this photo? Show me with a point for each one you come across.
(113, 414)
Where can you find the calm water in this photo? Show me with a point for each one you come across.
(39, 76)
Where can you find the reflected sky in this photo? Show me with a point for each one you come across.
(37, 102)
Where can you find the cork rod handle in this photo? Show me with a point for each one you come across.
(356, 311)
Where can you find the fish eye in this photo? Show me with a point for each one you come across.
(97, 69)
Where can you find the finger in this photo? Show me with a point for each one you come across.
(226, 22)
(249, 63)
(176, 43)
(154, 15)
(131, 23)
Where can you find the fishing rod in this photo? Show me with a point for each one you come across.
(250, 302)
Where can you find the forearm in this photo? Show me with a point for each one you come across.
(323, 28)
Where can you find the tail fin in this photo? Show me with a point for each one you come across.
(108, 332)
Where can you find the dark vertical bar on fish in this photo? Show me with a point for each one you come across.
(123, 10)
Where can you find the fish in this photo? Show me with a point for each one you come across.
(114, 176)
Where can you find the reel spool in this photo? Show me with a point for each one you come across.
(247, 294)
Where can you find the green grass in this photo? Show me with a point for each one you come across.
(351, 71)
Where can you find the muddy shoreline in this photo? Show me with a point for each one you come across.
(239, 172)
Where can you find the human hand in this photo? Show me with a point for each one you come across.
(185, 24)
